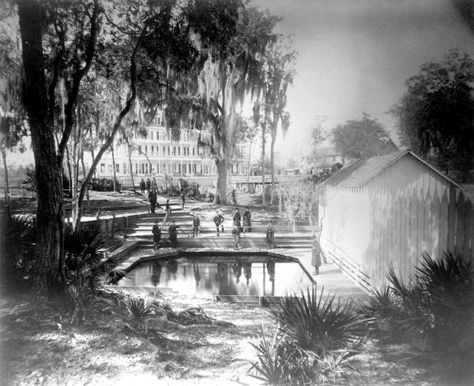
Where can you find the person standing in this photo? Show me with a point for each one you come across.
(142, 186)
(196, 225)
(183, 200)
(173, 234)
(316, 256)
(168, 208)
(270, 237)
(152, 199)
(156, 236)
(148, 185)
(247, 220)
(219, 221)
(236, 235)
(237, 218)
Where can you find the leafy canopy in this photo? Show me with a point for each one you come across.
(435, 113)
(359, 139)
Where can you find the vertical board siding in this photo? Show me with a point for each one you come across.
(390, 221)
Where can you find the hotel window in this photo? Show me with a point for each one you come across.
(168, 150)
(179, 150)
(139, 148)
(124, 168)
(102, 168)
(117, 168)
(110, 169)
(157, 135)
(151, 135)
(146, 149)
(179, 168)
(194, 150)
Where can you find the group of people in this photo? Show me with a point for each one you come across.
(172, 233)
(147, 186)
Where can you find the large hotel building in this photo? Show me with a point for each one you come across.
(156, 154)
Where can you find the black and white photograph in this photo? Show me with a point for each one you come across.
(237, 192)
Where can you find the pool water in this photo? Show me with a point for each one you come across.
(230, 276)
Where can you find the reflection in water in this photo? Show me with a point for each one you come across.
(205, 277)
(237, 269)
(156, 273)
(248, 271)
(271, 270)
(197, 274)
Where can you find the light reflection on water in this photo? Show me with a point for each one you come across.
(199, 277)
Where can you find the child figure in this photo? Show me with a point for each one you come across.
(270, 237)
(196, 224)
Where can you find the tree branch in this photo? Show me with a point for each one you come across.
(117, 124)
(77, 78)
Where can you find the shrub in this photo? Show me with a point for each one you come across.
(315, 341)
(381, 311)
(321, 324)
(104, 184)
(281, 362)
(17, 255)
(139, 310)
(438, 305)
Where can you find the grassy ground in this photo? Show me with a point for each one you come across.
(199, 342)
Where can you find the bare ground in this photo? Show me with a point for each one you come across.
(199, 342)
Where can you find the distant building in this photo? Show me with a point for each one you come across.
(154, 153)
(386, 211)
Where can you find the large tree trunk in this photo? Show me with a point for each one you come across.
(272, 164)
(113, 168)
(49, 252)
(221, 189)
(7, 185)
(263, 164)
(84, 176)
(248, 168)
(131, 166)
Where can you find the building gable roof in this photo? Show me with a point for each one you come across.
(360, 172)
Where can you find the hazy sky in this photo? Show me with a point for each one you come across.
(355, 55)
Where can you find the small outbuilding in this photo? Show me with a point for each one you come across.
(384, 212)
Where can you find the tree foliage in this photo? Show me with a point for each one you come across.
(435, 115)
(359, 139)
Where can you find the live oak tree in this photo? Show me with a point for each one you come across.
(436, 113)
(230, 69)
(359, 139)
(48, 56)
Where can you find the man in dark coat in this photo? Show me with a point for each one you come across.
(156, 236)
(247, 220)
(219, 221)
(142, 186)
(237, 218)
(152, 198)
(173, 234)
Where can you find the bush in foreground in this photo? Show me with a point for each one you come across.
(315, 340)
